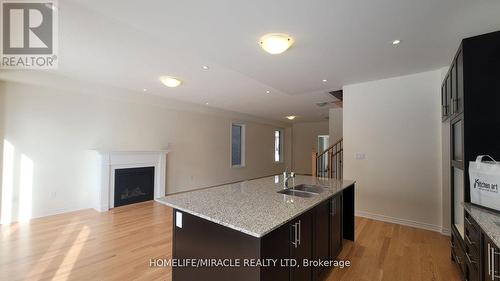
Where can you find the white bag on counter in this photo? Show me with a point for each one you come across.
(484, 182)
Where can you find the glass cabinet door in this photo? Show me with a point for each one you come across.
(456, 142)
(457, 185)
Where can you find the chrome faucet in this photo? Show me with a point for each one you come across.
(287, 176)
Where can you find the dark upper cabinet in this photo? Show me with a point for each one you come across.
(445, 100)
(459, 96)
(301, 246)
(453, 89)
(321, 225)
(471, 100)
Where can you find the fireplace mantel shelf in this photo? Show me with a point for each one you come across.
(107, 151)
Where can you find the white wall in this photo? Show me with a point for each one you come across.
(396, 124)
(2, 102)
(57, 129)
(305, 140)
(335, 124)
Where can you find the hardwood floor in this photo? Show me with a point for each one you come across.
(118, 245)
(386, 251)
(88, 245)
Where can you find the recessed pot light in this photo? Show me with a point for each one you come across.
(144, 90)
(324, 80)
(268, 92)
(206, 103)
(205, 67)
(396, 42)
(276, 43)
(291, 117)
(170, 81)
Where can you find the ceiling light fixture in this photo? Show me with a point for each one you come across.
(170, 81)
(396, 42)
(268, 92)
(324, 80)
(291, 117)
(276, 43)
(206, 103)
(205, 67)
(144, 90)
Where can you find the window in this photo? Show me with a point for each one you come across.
(278, 146)
(237, 145)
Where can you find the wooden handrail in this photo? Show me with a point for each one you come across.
(329, 163)
(331, 147)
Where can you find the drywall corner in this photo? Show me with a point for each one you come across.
(335, 124)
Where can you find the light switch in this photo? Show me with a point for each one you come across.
(360, 156)
(178, 219)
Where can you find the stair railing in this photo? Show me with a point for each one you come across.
(329, 163)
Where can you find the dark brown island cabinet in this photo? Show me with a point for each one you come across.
(316, 234)
(471, 104)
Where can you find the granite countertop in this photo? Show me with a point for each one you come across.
(489, 221)
(253, 207)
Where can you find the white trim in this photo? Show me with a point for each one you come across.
(446, 231)
(112, 160)
(416, 224)
(243, 144)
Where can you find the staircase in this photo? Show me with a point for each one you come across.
(329, 163)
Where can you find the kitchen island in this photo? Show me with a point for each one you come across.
(250, 231)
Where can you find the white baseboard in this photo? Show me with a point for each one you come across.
(416, 224)
(446, 231)
(49, 213)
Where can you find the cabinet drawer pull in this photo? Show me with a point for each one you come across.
(492, 262)
(300, 233)
(489, 259)
(294, 238)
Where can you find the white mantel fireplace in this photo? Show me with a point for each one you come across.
(113, 160)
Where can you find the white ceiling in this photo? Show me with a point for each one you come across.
(129, 44)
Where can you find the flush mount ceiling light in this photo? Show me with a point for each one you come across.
(205, 67)
(396, 42)
(276, 43)
(291, 117)
(170, 81)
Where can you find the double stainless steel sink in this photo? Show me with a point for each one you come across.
(303, 190)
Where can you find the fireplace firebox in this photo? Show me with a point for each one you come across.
(134, 185)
